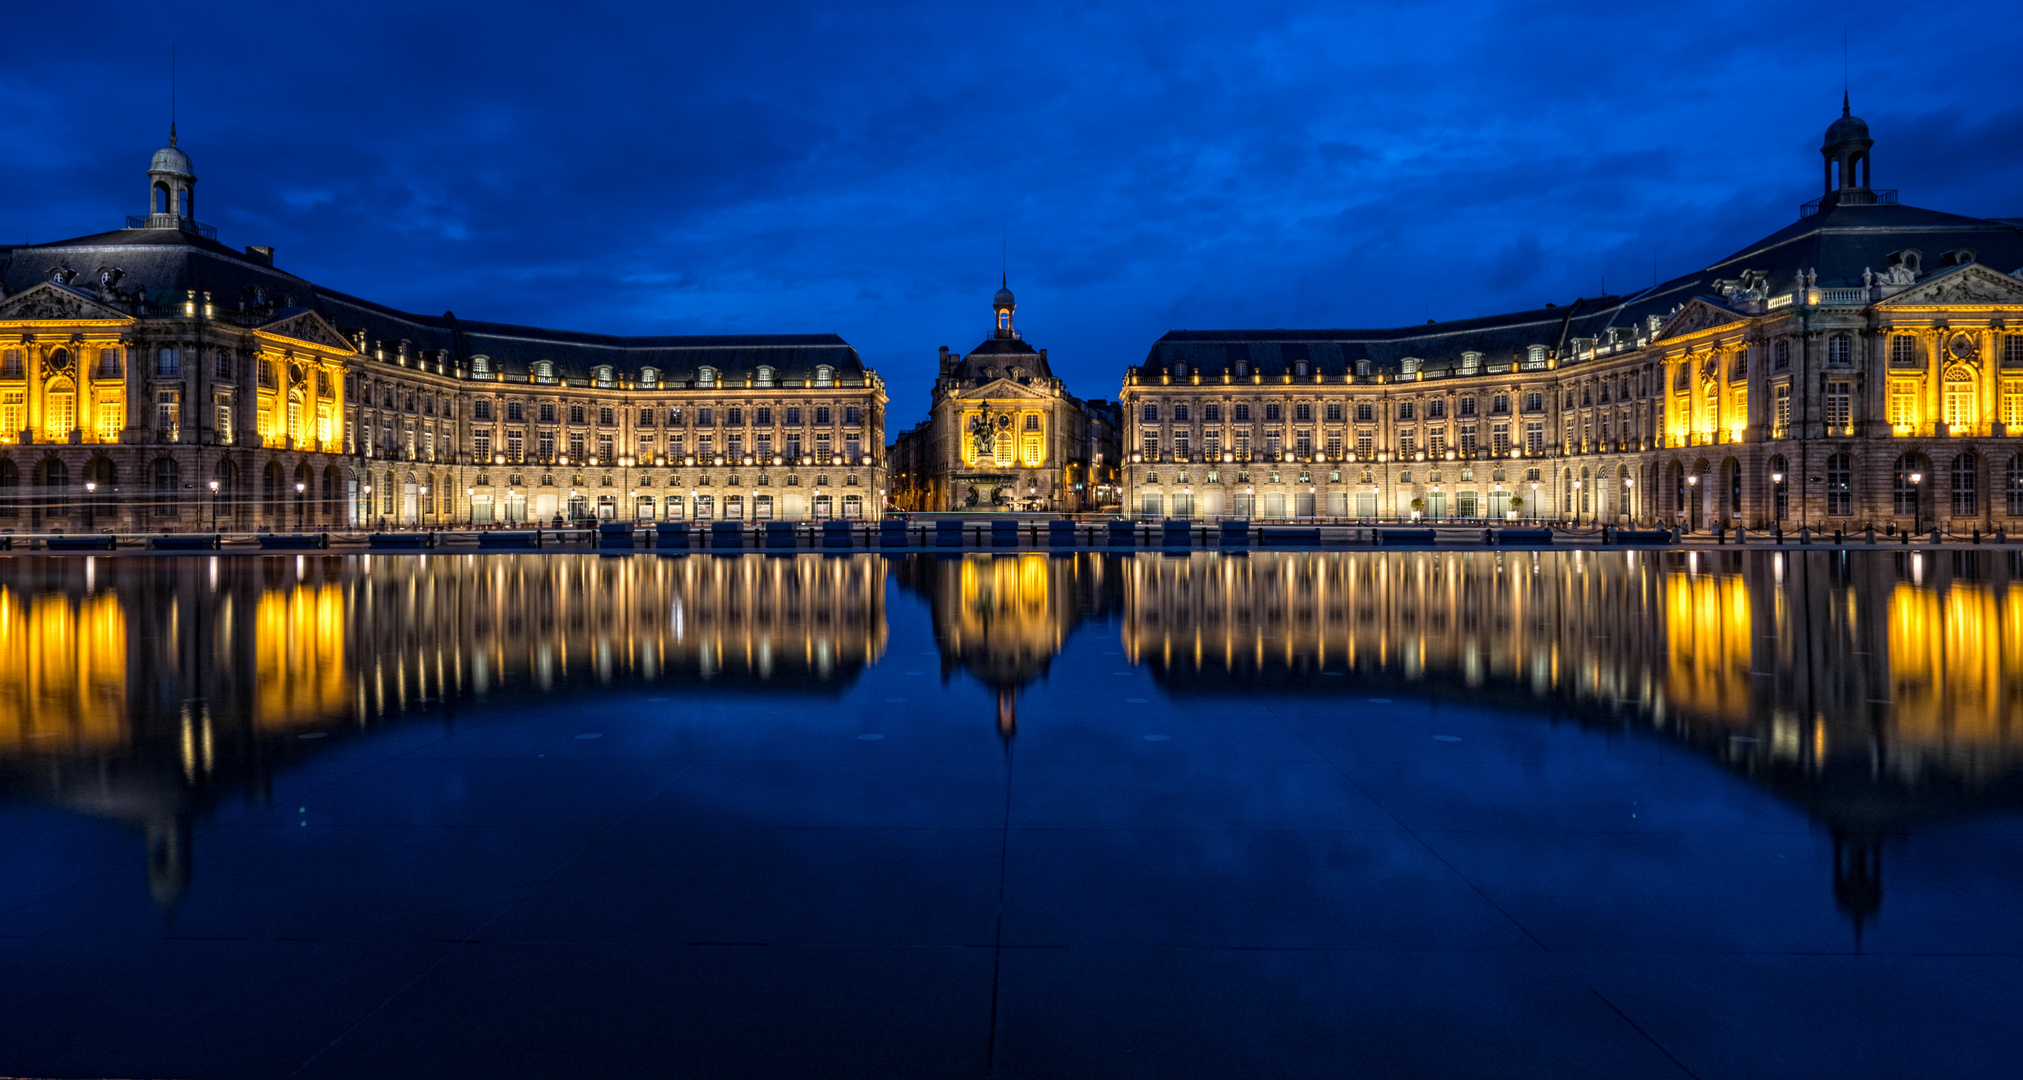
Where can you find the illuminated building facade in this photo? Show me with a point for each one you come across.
(1861, 366)
(152, 378)
(1002, 432)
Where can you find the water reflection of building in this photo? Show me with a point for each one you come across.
(1868, 688)
(1002, 618)
(147, 690)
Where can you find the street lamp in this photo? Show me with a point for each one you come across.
(1777, 496)
(299, 488)
(1692, 503)
(1917, 503)
(214, 506)
(1576, 504)
(1628, 512)
(1534, 500)
(471, 506)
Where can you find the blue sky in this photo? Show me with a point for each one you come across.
(778, 167)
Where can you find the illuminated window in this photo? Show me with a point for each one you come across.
(1903, 403)
(1958, 403)
(825, 375)
(2012, 404)
(111, 418)
(13, 414)
(59, 411)
(168, 415)
(1033, 453)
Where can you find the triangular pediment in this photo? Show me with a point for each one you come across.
(311, 327)
(1005, 388)
(50, 301)
(1969, 284)
(1698, 314)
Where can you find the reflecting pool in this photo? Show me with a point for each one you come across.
(1611, 814)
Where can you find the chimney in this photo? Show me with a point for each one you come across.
(262, 255)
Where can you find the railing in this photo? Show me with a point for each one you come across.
(1844, 297)
(171, 221)
(1885, 197)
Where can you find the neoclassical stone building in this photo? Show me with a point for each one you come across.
(152, 378)
(1863, 365)
(1002, 432)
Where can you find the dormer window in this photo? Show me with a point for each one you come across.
(649, 378)
(705, 376)
(604, 376)
(481, 366)
(1535, 354)
(1180, 371)
(765, 375)
(544, 371)
(825, 375)
(1242, 369)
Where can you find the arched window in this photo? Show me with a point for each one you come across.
(59, 410)
(705, 376)
(1780, 489)
(765, 375)
(1840, 485)
(1734, 487)
(1958, 404)
(1904, 489)
(270, 487)
(55, 485)
(168, 484)
(825, 375)
(1003, 319)
(1966, 493)
(2013, 488)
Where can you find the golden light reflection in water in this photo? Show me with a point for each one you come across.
(63, 672)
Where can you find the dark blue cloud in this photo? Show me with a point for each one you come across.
(707, 168)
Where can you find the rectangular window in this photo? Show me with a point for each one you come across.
(516, 445)
(1903, 350)
(1271, 413)
(1033, 419)
(607, 415)
(514, 411)
(1839, 406)
(1957, 401)
(10, 364)
(1534, 401)
(576, 444)
(1302, 412)
(1499, 404)
(1243, 413)
(821, 414)
(1407, 439)
(2012, 350)
(1303, 443)
(1780, 355)
(1213, 413)
(111, 418)
(605, 451)
(481, 409)
(1780, 418)
(1499, 439)
(2012, 404)
(1468, 438)
(793, 415)
(1534, 437)
(646, 417)
(1903, 403)
(1149, 414)
(481, 444)
(1149, 446)
(853, 415)
(169, 364)
(544, 444)
(169, 414)
(222, 407)
(1366, 440)
(1333, 412)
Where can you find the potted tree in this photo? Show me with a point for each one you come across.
(1516, 504)
(1417, 505)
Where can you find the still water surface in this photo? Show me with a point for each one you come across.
(1613, 814)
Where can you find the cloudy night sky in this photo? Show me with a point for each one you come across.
(855, 168)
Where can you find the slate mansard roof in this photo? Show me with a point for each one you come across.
(1837, 244)
(159, 266)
